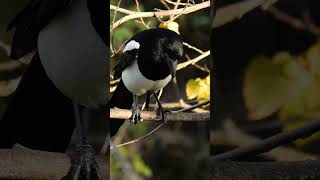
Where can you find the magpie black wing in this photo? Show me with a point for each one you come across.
(29, 22)
(127, 58)
(99, 18)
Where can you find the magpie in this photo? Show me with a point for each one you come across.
(67, 75)
(147, 64)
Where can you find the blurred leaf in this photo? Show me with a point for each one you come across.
(140, 167)
(265, 87)
(313, 59)
(285, 84)
(198, 88)
(303, 94)
(115, 168)
(138, 130)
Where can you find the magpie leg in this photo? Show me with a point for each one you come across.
(160, 111)
(147, 100)
(135, 116)
(83, 164)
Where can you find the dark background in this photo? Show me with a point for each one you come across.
(236, 44)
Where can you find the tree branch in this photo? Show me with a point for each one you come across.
(193, 61)
(302, 170)
(232, 135)
(134, 15)
(24, 163)
(271, 142)
(293, 21)
(170, 117)
(235, 11)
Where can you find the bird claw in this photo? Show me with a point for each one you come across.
(135, 116)
(160, 112)
(83, 165)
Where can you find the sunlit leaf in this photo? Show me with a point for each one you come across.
(198, 88)
(313, 59)
(303, 91)
(265, 87)
(286, 84)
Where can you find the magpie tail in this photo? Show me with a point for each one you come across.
(39, 115)
(121, 98)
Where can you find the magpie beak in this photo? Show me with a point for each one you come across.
(172, 67)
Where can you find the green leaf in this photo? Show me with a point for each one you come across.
(140, 167)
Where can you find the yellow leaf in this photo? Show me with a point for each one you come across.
(303, 94)
(171, 25)
(198, 88)
(265, 87)
(313, 59)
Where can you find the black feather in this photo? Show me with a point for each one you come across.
(39, 115)
(29, 22)
(127, 58)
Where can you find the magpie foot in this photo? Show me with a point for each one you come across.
(135, 116)
(160, 112)
(83, 165)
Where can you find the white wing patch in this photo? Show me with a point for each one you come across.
(131, 45)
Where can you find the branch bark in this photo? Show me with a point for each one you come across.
(302, 170)
(232, 135)
(134, 15)
(169, 117)
(193, 61)
(271, 142)
(24, 163)
(235, 11)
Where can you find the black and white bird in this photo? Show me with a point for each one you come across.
(147, 64)
(67, 75)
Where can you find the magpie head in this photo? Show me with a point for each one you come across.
(172, 53)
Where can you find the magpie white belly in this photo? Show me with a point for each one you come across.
(75, 57)
(137, 84)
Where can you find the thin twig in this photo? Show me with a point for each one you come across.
(135, 15)
(165, 4)
(292, 21)
(302, 170)
(237, 10)
(193, 61)
(233, 135)
(271, 142)
(174, 17)
(193, 107)
(174, 3)
(204, 69)
(140, 138)
(141, 19)
(193, 48)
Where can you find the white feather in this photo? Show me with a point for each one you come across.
(75, 57)
(131, 45)
(137, 84)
